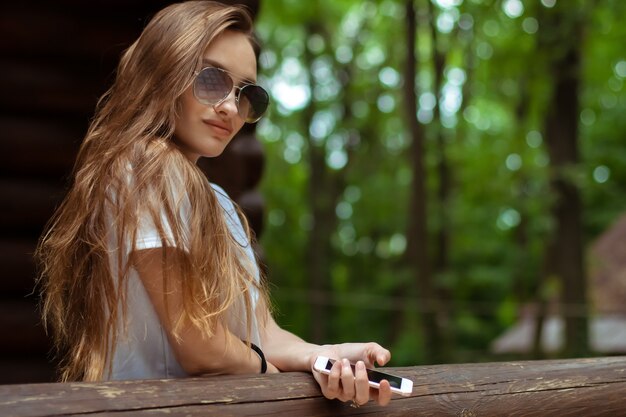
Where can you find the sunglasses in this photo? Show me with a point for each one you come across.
(213, 85)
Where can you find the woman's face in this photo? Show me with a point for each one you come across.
(206, 130)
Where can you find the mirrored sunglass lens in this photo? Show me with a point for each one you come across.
(253, 102)
(212, 85)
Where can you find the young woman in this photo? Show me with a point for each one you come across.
(147, 270)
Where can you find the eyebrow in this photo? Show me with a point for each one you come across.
(211, 63)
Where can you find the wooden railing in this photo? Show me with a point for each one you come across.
(579, 387)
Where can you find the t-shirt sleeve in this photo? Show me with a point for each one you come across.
(236, 228)
(148, 237)
(231, 216)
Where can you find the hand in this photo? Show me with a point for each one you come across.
(342, 383)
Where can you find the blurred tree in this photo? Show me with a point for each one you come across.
(357, 202)
(561, 40)
(418, 254)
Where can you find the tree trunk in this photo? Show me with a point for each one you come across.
(317, 255)
(325, 189)
(417, 235)
(561, 128)
(441, 256)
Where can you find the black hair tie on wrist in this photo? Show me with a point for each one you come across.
(261, 355)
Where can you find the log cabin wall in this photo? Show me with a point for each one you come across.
(56, 59)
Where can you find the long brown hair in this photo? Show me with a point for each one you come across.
(128, 166)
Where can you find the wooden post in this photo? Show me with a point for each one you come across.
(579, 387)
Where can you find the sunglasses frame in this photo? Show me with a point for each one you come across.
(239, 89)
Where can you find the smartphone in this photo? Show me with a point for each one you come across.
(398, 384)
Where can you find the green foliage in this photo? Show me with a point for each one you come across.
(334, 69)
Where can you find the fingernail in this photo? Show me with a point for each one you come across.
(346, 362)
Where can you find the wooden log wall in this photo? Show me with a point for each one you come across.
(582, 387)
(56, 59)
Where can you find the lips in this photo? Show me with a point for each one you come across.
(219, 127)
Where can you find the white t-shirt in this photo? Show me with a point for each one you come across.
(144, 351)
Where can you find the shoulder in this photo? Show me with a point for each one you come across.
(223, 198)
(231, 215)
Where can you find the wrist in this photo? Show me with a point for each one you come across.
(259, 352)
(311, 354)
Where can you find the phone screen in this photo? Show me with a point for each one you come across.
(374, 376)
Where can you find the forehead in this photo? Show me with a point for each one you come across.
(233, 52)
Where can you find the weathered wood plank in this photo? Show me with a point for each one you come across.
(532, 388)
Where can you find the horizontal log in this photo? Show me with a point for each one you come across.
(26, 206)
(48, 90)
(579, 387)
(22, 369)
(252, 205)
(17, 276)
(23, 333)
(250, 152)
(74, 33)
(36, 148)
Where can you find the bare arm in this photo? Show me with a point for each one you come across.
(286, 350)
(222, 353)
(290, 353)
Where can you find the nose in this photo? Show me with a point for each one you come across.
(228, 106)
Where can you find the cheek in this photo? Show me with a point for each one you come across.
(186, 109)
(188, 104)
(238, 124)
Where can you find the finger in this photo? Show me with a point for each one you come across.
(382, 356)
(375, 354)
(322, 381)
(332, 387)
(384, 393)
(347, 381)
(361, 384)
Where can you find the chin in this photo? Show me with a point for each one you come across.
(213, 153)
